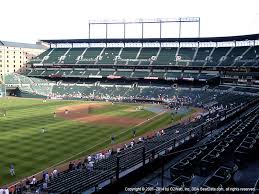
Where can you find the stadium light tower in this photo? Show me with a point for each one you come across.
(142, 22)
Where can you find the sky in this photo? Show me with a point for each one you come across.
(32, 20)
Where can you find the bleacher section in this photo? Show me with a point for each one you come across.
(146, 56)
(107, 72)
(116, 90)
(219, 161)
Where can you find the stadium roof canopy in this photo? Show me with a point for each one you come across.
(21, 45)
(140, 40)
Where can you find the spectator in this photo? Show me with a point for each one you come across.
(55, 173)
(47, 177)
(162, 132)
(89, 158)
(70, 166)
(19, 187)
(79, 165)
(45, 187)
(6, 191)
(85, 160)
(12, 189)
(132, 144)
(91, 165)
(140, 139)
(1, 191)
(34, 181)
(84, 165)
(43, 175)
(27, 184)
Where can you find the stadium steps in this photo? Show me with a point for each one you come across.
(225, 56)
(63, 57)
(119, 54)
(241, 57)
(46, 56)
(217, 56)
(100, 55)
(139, 52)
(158, 53)
(166, 56)
(234, 55)
(195, 54)
(81, 56)
(209, 57)
(90, 55)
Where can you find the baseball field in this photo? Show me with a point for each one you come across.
(36, 134)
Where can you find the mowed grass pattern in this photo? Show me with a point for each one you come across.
(23, 143)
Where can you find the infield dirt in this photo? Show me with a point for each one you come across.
(82, 113)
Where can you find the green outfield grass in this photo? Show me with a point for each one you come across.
(23, 143)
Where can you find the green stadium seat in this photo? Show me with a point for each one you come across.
(40, 57)
(55, 55)
(72, 55)
(160, 75)
(64, 72)
(105, 73)
(147, 53)
(217, 54)
(173, 75)
(135, 62)
(109, 55)
(186, 53)
(129, 53)
(140, 74)
(36, 72)
(123, 73)
(91, 72)
(166, 57)
(77, 72)
(232, 56)
(90, 56)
